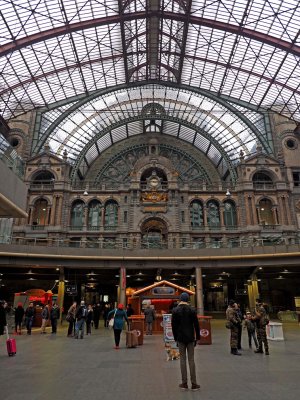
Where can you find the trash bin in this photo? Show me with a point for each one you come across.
(205, 329)
(137, 324)
(274, 331)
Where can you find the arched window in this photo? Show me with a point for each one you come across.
(94, 215)
(40, 212)
(213, 214)
(230, 219)
(111, 214)
(266, 216)
(154, 234)
(44, 178)
(196, 214)
(261, 180)
(77, 215)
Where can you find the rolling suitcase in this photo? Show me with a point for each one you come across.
(131, 339)
(11, 345)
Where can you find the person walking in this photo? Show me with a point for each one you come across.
(149, 318)
(97, 312)
(45, 317)
(29, 317)
(234, 321)
(240, 326)
(81, 316)
(89, 319)
(3, 322)
(250, 326)
(129, 310)
(19, 314)
(71, 319)
(54, 317)
(261, 319)
(119, 315)
(186, 332)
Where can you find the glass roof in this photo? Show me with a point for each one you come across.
(85, 130)
(52, 50)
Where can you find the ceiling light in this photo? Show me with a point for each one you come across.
(117, 276)
(285, 271)
(57, 269)
(258, 280)
(91, 273)
(259, 267)
(66, 281)
(158, 278)
(128, 276)
(203, 276)
(85, 193)
(31, 279)
(175, 273)
(139, 279)
(140, 273)
(280, 277)
(30, 272)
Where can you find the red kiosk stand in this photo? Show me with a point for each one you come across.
(36, 296)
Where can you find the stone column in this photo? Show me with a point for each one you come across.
(199, 291)
(53, 211)
(221, 211)
(253, 293)
(122, 286)
(61, 290)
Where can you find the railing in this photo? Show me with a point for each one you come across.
(130, 244)
(42, 186)
(263, 186)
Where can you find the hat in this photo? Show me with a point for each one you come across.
(120, 306)
(231, 302)
(184, 297)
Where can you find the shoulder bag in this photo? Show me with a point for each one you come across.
(112, 321)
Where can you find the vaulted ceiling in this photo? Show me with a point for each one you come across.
(208, 69)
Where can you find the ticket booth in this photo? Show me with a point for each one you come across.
(163, 296)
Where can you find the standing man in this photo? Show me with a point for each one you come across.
(45, 317)
(54, 317)
(185, 325)
(234, 320)
(149, 318)
(29, 317)
(261, 319)
(81, 316)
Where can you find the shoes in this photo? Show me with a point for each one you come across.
(116, 347)
(235, 352)
(267, 353)
(258, 351)
(183, 386)
(81, 337)
(195, 387)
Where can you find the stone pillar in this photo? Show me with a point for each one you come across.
(274, 212)
(253, 293)
(122, 286)
(53, 211)
(221, 211)
(199, 291)
(61, 290)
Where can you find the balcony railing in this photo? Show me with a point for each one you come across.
(119, 243)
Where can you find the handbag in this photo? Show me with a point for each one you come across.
(229, 325)
(69, 317)
(112, 321)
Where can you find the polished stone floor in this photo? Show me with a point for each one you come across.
(56, 367)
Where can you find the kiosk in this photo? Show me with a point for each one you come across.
(162, 296)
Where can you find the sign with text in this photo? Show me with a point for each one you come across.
(167, 325)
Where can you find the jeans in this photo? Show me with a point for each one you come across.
(29, 321)
(189, 349)
(54, 325)
(149, 328)
(79, 326)
(251, 334)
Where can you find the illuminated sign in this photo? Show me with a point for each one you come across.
(163, 291)
(71, 290)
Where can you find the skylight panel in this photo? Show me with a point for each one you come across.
(187, 134)
(201, 142)
(91, 154)
(119, 133)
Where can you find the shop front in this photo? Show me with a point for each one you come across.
(162, 296)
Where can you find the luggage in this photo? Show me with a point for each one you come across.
(11, 345)
(131, 339)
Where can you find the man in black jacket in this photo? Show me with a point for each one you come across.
(185, 325)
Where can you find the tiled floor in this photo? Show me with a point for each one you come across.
(56, 367)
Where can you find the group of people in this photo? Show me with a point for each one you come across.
(254, 322)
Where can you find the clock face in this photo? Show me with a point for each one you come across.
(154, 182)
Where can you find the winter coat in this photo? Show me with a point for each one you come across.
(185, 324)
(55, 312)
(19, 313)
(149, 315)
(2, 319)
(81, 313)
(45, 313)
(119, 318)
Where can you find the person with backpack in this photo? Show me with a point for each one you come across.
(81, 316)
(261, 319)
(185, 327)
